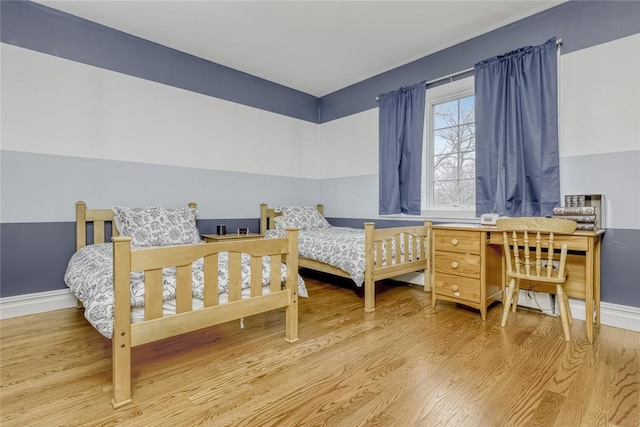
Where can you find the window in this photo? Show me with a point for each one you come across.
(449, 165)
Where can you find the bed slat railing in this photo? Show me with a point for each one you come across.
(152, 260)
(153, 294)
(184, 288)
(413, 248)
(235, 277)
(256, 276)
(101, 217)
(276, 273)
(211, 280)
(98, 231)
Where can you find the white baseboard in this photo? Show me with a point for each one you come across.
(619, 316)
(22, 305)
(415, 278)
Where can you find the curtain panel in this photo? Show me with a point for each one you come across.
(401, 128)
(517, 160)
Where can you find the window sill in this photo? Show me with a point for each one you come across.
(439, 215)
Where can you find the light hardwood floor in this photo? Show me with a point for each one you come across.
(406, 364)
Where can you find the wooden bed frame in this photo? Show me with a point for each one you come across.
(151, 260)
(374, 238)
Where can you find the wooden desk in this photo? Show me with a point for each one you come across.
(465, 269)
(583, 265)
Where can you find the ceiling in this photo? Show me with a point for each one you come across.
(316, 47)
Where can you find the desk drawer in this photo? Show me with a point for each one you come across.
(457, 264)
(466, 242)
(457, 287)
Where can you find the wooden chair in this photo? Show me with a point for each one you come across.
(535, 233)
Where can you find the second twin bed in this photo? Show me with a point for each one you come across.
(364, 256)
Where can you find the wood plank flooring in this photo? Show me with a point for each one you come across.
(406, 364)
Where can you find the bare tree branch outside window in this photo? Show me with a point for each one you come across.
(454, 153)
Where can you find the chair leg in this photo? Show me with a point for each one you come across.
(508, 301)
(566, 300)
(515, 296)
(563, 312)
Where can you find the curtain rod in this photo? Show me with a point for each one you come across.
(450, 77)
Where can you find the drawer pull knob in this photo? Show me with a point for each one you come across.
(454, 288)
(454, 242)
(454, 264)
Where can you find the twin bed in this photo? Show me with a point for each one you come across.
(159, 280)
(348, 252)
(228, 280)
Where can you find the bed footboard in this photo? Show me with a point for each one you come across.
(155, 327)
(415, 242)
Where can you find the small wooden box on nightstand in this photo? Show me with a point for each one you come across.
(210, 238)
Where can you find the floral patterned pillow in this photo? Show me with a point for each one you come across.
(152, 226)
(303, 217)
(280, 223)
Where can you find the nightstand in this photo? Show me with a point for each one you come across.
(211, 238)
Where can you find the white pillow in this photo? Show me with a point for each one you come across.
(303, 217)
(280, 223)
(153, 226)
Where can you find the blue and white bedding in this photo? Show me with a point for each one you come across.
(89, 276)
(340, 247)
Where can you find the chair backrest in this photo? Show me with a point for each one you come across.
(542, 237)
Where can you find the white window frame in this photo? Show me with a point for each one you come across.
(437, 95)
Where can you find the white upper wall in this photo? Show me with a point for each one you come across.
(349, 145)
(600, 99)
(55, 106)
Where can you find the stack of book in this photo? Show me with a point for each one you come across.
(585, 209)
(585, 216)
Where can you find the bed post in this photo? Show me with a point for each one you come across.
(81, 225)
(428, 249)
(81, 233)
(291, 314)
(121, 338)
(369, 283)
(263, 218)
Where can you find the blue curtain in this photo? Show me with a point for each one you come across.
(517, 161)
(401, 127)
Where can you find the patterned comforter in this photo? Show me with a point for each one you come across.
(89, 276)
(341, 247)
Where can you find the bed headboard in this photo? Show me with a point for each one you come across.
(99, 218)
(268, 214)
